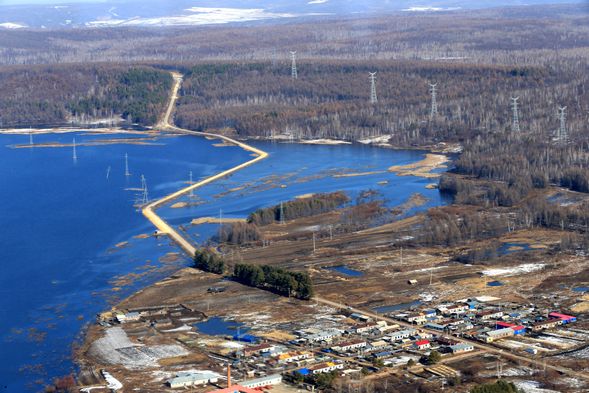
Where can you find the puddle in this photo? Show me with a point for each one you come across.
(345, 270)
(220, 327)
(396, 307)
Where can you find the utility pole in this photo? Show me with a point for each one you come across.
(313, 242)
(281, 214)
(31, 138)
(330, 232)
(434, 109)
(293, 66)
(515, 122)
(562, 131)
(127, 173)
(373, 98)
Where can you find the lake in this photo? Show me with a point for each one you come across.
(71, 245)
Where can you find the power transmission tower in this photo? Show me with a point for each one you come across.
(293, 66)
(191, 195)
(515, 123)
(373, 98)
(127, 173)
(144, 193)
(433, 91)
(562, 131)
(75, 155)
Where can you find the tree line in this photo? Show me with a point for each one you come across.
(302, 207)
(284, 282)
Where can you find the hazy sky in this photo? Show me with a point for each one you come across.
(5, 2)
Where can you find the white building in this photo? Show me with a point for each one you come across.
(262, 382)
(401, 334)
(184, 380)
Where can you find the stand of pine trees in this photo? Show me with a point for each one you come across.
(286, 283)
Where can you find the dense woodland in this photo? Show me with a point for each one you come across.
(82, 94)
(296, 284)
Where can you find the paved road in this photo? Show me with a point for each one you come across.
(149, 210)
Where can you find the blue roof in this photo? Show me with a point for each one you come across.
(303, 371)
(246, 338)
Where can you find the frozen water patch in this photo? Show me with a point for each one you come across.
(514, 271)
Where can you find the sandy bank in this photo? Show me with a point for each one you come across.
(422, 168)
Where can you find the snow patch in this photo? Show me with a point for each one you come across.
(10, 25)
(197, 16)
(531, 387)
(514, 271)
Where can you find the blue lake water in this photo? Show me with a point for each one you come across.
(509, 248)
(345, 270)
(580, 289)
(62, 221)
(220, 327)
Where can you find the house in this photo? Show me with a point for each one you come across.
(325, 367)
(382, 355)
(548, 324)
(128, 317)
(417, 318)
(461, 347)
(517, 329)
(494, 335)
(401, 334)
(349, 346)
(326, 335)
(489, 314)
(434, 326)
(290, 357)
(258, 349)
(460, 308)
(378, 345)
(365, 327)
(422, 344)
(236, 389)
(360, 317)
(563, 317)
(184, 380)
(269, 380)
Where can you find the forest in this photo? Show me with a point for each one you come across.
(82, 95)
(297, 284)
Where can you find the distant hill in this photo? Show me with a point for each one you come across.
(191, 12)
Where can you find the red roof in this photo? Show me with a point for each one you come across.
(518, 327)
(561, 316)
(421, 342)
(504, 324)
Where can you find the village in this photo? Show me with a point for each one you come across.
(209, 353)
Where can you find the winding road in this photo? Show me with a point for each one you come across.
(149, 211)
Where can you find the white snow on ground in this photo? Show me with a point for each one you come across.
(196, 16)
(429, 9)
(376, 139)
(111, 382)
(233, 345)
(116, 348)
(183, 328)
(9, 25)
(514, 271)
(427, 269)
(531, 387)
(325, 142)
(560, 341)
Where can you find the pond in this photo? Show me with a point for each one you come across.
(343, 269)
